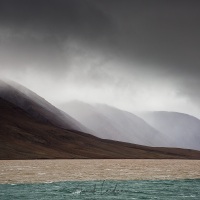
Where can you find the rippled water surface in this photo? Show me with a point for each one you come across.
(99, 179)
(108, 190)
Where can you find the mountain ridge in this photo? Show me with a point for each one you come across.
(37, 106)
(23, 137)
(182, 129)
(112, 123)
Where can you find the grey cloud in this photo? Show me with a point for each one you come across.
(163, 37)
(157, 39)
(52, 17)
(163, 33)
(160, 33)
(42, 31)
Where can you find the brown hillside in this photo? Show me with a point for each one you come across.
(23, 137)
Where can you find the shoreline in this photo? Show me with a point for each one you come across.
(41, 171)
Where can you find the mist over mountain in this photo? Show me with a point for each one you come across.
(111, 123)
(182, 130)
(133, 55)
(36, 106)
(130, 54)
(166, 129)
(156, 129)
(28, 131)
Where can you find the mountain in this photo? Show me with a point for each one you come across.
(182, 130)
(111, 123)
(37, 107)
(24, 137)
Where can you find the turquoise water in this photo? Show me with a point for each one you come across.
(103, 190)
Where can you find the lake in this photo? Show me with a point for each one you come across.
(100, 179)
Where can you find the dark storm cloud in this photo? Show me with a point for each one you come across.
(161, 33)
(42, 30)
(54, 18)
(160, 37)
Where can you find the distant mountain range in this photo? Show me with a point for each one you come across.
(114, 124)
(32, 128)
(180, 129)
(158, 129)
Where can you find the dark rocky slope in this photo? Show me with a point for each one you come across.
(24, 137)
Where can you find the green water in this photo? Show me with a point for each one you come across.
(108, 190)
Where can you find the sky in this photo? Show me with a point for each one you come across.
(132, 54)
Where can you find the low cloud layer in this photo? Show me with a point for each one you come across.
(134, 54)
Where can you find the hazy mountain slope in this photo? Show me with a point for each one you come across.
(37, 106)
(181, 129)
(23, 137)
(111, 123)
(89, 117)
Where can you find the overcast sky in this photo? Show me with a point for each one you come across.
(133, 54)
